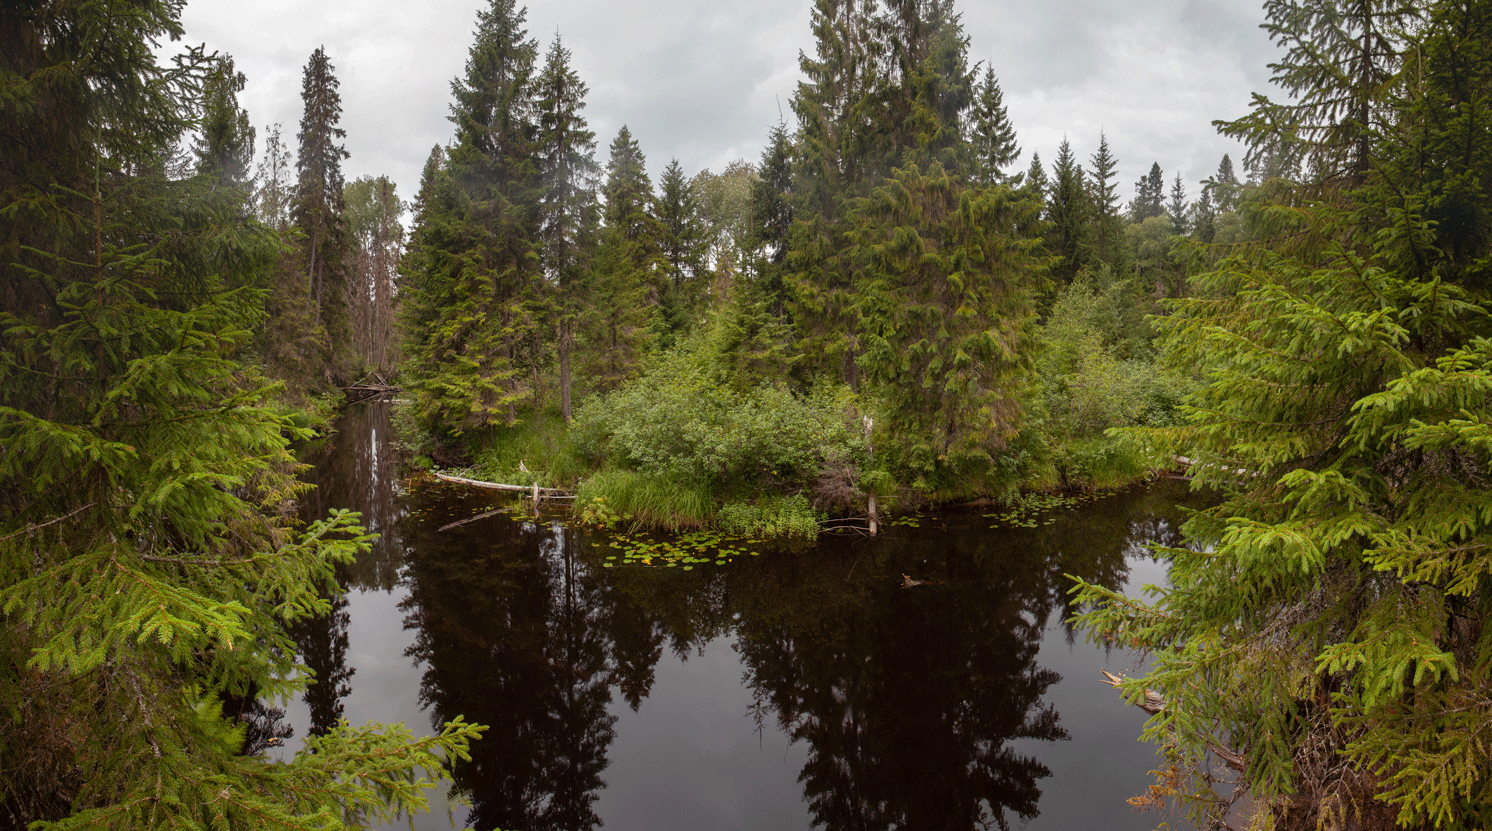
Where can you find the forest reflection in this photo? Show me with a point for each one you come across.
(910, 701)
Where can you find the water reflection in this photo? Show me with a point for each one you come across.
(927, 707)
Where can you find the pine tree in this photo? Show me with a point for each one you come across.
(146, 570)
(317, 209)
(567, 209)
(990, 133)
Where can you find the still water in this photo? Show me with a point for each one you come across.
(801, 687)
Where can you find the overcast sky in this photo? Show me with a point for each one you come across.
(703, 80)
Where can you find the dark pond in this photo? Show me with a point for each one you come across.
(790, 689)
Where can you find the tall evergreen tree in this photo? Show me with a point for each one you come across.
(1150, 195)
(317, 208)
(147, 572)
(1107, 235)
(225, 145)
(631, 273)
(1326, 626)
(991, 135)
(568, 214)
(477, 359)
(945, 308)
(1069, 211)
(1339, 68)
(683, 240)
(1176, 210)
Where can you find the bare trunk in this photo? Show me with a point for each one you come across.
(564, 369)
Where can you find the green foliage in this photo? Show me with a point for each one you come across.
(611, 496)
(677, 421)
(945, 308)
(1329, 619)
(781, 516)
(148, 563)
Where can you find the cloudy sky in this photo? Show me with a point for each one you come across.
(703, 80)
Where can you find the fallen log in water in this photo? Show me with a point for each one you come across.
(496, 486)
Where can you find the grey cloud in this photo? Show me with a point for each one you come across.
(703, 81)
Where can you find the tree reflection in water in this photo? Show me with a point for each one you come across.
(918, 706)
(526, 637)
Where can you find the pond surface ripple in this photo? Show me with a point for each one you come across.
(801, 688)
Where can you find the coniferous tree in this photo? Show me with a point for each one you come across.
(945, 308)
(1150, 195)
(1177, 209)
(772, 209)
(317, 209)
(1327, 622)
(146, 571)
(225, 146)
(682, 238)
(1340, 66)
(567, 208)
(477, 358)
(1204, 217)
(630, 274)
(1069, 211)
(1107, 234)
(991, 136)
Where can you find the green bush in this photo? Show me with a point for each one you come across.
(677, 423)
(778, 516)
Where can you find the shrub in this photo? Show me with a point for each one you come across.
(778, 516)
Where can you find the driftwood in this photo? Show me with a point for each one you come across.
(449, 525)
(551, 493)
(372, 386)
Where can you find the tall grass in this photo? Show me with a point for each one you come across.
(641, 500)
(538, 444)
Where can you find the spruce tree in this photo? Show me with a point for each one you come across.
(991, 135)
(1150, 195)
(568, 216)
(945, 308)
(1176, 210)
(225, 145)
(1107, 234)
(682, 239)
(1325, 630)
(147, 572)
(1340, 66)
(1069, 210)
(474, 352)
(317, 209)
(626, 318)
